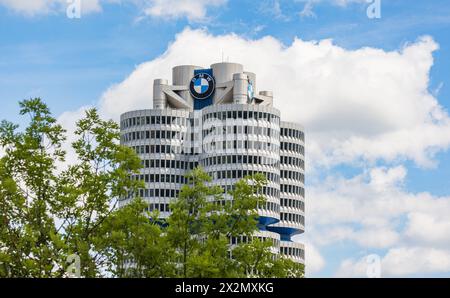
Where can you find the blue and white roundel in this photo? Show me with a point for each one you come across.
(202, 86)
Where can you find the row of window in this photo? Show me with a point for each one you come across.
(240, 144)
(171, 134)
(293, 133)
(293, 175)
(239, 129)
(163, 178)
(292, 251)
(246, 239)
(154, 193)
(292, 217)
(217, 148)
(166, 163)
(165, 149)
(149, 120)
(293, 161)
(240, 159)
(292, 189)
(293, 203)
(293, 147)
(242, 115)
(267, 206)
(164, 207)
(158, 207)
(270, 206)
(238, 174)
(152, 134)
(173, 193)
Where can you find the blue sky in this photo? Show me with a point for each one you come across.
(72, 63)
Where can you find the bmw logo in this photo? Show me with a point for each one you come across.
(202, 86)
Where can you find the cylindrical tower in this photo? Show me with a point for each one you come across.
(159, 97)
(241, 140)
(181, 76)
(240, 89)
(292, 188)
(158, 138)
(223, 72)
(230, 139)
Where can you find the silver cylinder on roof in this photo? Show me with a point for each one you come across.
(182, 76)
(223, 72)
(240, 89)
(159, 97)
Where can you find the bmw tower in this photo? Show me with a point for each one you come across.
(216, 118)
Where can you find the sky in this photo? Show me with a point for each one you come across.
(369, 81)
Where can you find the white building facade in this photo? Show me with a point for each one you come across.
(213, 117)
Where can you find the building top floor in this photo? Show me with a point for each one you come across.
(195, 87)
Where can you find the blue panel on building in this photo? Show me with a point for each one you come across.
(201, 103)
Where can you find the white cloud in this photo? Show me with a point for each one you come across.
(307, 11)
(308, 8)
(430, 228)
(273, 8)
(377, 237)
(372, 237)
(42, 7)
(352, 268)
(401, 262)
(362, 201)
(355, 104)
(314, 261)
(374, 211)
(409, 260)
(68, 121)
(172, 9)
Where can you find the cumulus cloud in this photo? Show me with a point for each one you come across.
(400, 262)
(375, 211)
(430, 228)
(307, 11)
(314, 261)
(360, 200)
(308, 8)
(365, 104)
(173, 9)
(42, 7)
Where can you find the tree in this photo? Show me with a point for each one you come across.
(47, 215)
(90, 190)
(202, 222)
(133, 242)
(30, 242)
